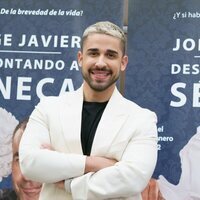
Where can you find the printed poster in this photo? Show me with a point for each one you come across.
(39, 41)
(164, 76)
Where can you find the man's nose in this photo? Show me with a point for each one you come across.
(100, 63)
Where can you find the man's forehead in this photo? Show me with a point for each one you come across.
(98, 37)
(103, 41)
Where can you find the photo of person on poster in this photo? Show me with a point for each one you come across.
(105, 146)
(189, 183)
(23, 189)
(8, 123)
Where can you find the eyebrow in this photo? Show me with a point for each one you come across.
(112, 51)
(108, 50)
(92, 49)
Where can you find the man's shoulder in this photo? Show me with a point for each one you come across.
(129, 106)
(133, 105)
(135, 108)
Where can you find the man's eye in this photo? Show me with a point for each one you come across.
(110, 55)
(93, 53)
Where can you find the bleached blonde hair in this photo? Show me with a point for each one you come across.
(108, 28)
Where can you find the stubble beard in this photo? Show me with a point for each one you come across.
(99, 86)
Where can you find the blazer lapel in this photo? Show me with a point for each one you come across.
(71, 113)
(111, 121)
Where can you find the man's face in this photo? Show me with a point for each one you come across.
(101, 60)
(25, 189)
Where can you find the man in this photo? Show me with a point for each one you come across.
(24, 189)
(105, 146)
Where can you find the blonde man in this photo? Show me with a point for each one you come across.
(105, 145)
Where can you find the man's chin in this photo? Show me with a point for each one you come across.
(99, 87)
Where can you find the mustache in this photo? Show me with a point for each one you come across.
(100, 69)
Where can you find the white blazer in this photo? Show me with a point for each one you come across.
(126, 132)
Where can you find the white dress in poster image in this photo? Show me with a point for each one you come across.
(188, 187)
(7, 125)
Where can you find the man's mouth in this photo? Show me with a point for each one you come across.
(100, 74)
(32, 190)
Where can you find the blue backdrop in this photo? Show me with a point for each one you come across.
(39, 41)
(163, 73)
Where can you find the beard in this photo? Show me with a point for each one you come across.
(99, 85)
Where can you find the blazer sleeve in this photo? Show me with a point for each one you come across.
(45, 165)
(130, 175)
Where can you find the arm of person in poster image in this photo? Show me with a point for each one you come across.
(152, 191)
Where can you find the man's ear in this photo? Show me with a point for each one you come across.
(79, 58)
(124, 63)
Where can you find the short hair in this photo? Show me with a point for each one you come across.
(108, 28)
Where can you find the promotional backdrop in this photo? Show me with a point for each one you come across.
(39, 41)
(163, 75)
